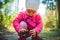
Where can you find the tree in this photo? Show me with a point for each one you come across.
(58, 4)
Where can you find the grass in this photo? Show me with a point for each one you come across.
(49, 34)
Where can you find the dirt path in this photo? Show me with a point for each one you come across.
(14, 36)
(9, 36)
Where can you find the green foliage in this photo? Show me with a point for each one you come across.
(51, 20)
(51, 17)
(1, 4)
(6, 1)
(5, 20)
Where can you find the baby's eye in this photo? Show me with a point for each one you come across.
(33, 11)
(30, 11)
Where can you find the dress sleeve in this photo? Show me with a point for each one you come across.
(16, 22)
(39, 26)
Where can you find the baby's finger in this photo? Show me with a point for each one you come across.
(31, 32)
(33, 35)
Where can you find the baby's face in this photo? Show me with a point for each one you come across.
(30, 12)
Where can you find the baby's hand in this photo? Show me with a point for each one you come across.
(21, 32)
(33, 33)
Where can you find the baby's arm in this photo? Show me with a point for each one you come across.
(39, 26)
(34, 32)
(16, 22)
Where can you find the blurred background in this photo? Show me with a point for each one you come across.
(49, 10)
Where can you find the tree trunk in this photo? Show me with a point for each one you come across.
(58, 4)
